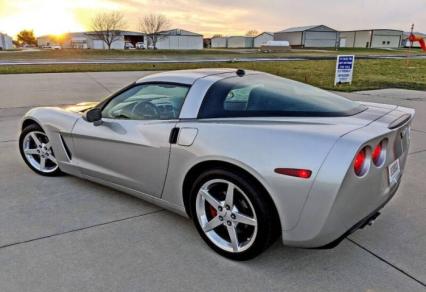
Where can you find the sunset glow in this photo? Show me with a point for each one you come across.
(213, 16)
(49, 16)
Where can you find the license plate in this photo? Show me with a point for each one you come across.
(394, 171)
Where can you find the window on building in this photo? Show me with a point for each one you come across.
(384, 43)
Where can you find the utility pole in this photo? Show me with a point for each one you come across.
(407, 63)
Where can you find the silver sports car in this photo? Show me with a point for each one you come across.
(247, 155)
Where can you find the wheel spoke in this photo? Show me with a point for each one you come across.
(233, 236)
(244, 219)
(35, 139)
(42, 163)
(209, 198)
(212, 224)
(53, 159)
(229, 199)
(31, 152)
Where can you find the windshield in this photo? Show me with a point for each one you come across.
(267, 95)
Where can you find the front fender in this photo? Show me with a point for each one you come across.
(58, 125)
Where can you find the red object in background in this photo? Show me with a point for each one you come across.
(415, 38)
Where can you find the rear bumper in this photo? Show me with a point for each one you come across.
(333, 231)
(368, 220)
(341, 202)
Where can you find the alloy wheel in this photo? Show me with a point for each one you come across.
(226, 215)
(38, 152)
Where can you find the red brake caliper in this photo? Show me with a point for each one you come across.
(212, 211)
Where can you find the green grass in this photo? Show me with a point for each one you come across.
(369, 74)
(230, 53)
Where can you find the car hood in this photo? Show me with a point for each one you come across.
(80, 107)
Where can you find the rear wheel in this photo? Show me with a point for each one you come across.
(37, 152)
(232, 214)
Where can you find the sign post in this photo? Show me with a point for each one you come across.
(344, 69)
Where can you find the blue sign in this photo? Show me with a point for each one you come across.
(344, 69)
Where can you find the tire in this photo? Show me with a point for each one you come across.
(249, 220)
(34, 152)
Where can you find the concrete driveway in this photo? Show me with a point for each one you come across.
(66, 234)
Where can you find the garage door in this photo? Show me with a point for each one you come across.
(320, 39)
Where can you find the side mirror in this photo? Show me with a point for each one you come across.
(93, 115)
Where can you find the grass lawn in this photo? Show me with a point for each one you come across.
(225, 53)
(369, 74)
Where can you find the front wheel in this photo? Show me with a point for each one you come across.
(37, 152)
(232, 214)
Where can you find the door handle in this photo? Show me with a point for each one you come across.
(174, 135)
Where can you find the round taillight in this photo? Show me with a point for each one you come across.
(379, 153)
(361, 162)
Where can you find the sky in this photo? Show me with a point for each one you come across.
(209, 17)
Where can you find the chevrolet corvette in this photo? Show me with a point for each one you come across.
(249, 156)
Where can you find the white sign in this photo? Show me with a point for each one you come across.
(344, 69)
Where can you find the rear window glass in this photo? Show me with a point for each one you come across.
(267, 95)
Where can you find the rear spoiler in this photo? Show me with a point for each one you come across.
(399, 121)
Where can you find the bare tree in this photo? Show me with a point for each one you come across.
(151, 25)
(252, 33)
(106, 25)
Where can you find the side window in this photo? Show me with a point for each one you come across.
(267, 96)
(156, 101)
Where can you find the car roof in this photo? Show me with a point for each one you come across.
(184, 76)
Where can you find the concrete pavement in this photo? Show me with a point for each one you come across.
(66, 234)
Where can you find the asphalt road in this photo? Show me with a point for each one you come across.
(66, 234)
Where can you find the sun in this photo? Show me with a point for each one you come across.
(53, 17)
(48, 16)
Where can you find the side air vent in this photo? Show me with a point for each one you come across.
(67, 150)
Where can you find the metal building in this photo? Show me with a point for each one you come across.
(219, 42)
(371, 38)
(240, 42)
(179, 39)
(89, 40)
(262, 39)
(313, 36)
(5, 42)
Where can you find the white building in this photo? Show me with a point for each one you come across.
(371, 38)
(262, 39)
(219, 42)
(5, 42)
(240, 42)
(313, 36)
(179, 39)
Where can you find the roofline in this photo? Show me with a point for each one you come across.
(265, 32)
(193, 33)
(307, 27)
(372, 29)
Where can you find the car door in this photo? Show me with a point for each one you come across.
(130, 146)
